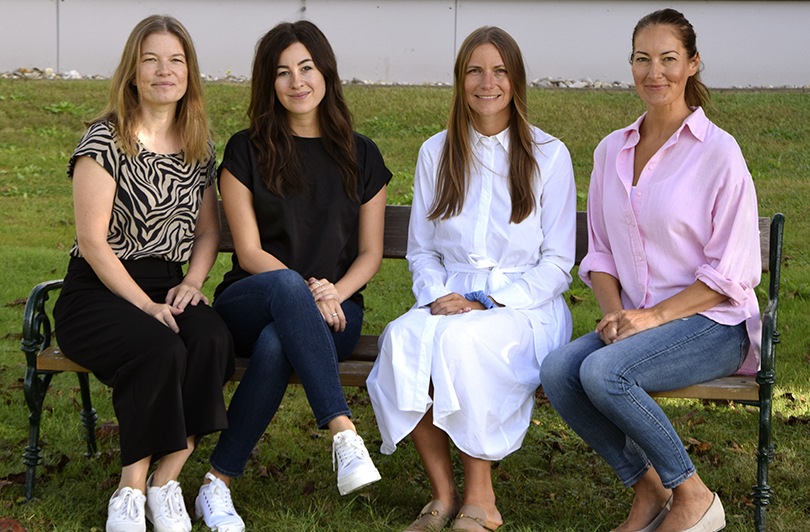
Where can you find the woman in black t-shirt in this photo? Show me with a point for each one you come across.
(144, 202)
(305, 199)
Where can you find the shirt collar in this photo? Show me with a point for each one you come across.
(501, 138)
(696, 123)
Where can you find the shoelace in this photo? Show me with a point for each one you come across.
(218, 492)
(347, 449)
(125, 505)
(172, 494)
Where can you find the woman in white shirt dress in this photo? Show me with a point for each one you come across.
(490, 247)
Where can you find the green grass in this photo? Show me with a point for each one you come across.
(553, 483)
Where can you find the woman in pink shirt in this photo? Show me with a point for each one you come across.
(673, 260)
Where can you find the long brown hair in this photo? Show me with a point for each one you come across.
(122, 108)
(270, 130)
(695, 93)
(456, 158)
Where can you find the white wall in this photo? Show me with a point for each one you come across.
(742, 43)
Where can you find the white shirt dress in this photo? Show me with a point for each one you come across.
(484, 365)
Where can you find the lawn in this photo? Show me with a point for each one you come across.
(555, 482)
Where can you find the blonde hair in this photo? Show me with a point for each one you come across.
(122, 109)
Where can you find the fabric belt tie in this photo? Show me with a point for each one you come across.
(482, 265)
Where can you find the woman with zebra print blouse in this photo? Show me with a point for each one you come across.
(144, 205)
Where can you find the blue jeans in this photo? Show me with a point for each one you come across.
(601, 391)
(274, 320)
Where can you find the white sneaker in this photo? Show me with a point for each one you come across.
(165, 507)
(354, 465)
(214, 505)
(125, 511)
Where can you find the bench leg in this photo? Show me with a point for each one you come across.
(89, 416)
(34, 388)
(765, 454)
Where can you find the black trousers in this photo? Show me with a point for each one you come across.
(166, 385)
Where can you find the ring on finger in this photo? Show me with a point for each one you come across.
(334, 314)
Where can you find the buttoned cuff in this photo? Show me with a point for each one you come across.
(429, 294)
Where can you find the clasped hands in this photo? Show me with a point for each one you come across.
(328, 300)
(622, 324)
(454, 303)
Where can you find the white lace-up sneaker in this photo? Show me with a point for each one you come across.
(214, 505)
(125, 512)
(354, 466)
(165, 507)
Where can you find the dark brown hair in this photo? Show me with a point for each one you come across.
(270, 129)
(456, 158)
(696, 93)
(122, 108)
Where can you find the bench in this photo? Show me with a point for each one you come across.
(44, 360)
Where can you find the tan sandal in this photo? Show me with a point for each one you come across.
(472, 516)
(432, 518)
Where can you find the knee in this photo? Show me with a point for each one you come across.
(557, 369)
(288, 282)
(165, 356)
(600, 377)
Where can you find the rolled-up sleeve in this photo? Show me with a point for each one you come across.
(600, 255)
(733, 265)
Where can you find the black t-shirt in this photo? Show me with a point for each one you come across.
(316, 232)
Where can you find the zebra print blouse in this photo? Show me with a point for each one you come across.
(157, 196)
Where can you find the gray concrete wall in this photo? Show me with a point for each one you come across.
(742, 43)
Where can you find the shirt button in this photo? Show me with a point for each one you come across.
(639, 258)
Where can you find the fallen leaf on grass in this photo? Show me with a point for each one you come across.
(733, 447)
(576, 299)
(13, 336)
(110, 482)
(271, 470)
(17, 478)
(789, 396)
(9, 524)
(684, 418)
(63, 461)
(699, 447)
(793, 420)
(309, 489)
(17, 302)
(4, 483)
(106, 430)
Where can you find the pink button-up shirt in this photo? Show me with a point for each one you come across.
(693, 216)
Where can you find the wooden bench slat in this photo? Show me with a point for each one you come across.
(353, 372)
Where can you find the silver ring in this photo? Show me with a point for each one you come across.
(317, 283)
(334, 314)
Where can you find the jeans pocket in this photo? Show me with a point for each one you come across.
(745, 346)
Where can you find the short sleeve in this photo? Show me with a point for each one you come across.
(99, 144)
(237, 159)
(373, 172)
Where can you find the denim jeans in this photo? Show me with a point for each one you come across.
(274, 320)
(601, 391)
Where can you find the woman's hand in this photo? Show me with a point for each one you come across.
(183, 294)
(332, 314)
(322, 290)
(625, 323)
(454, 304)
(164, 313)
